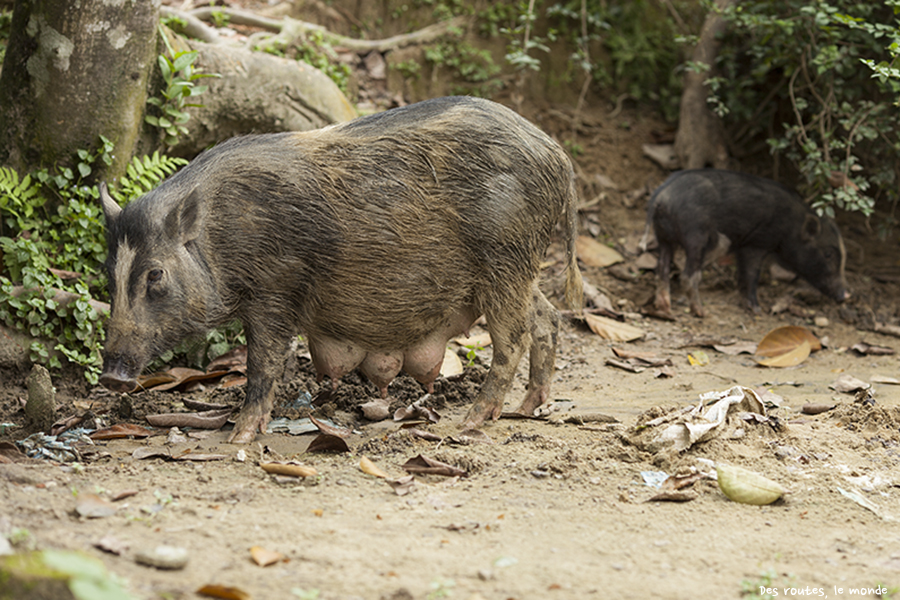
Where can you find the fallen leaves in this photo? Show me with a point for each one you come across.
(370, 468)
(747, 487)
(120, 431)
(208, 419)
(610, 329)
(223, 592)
(229, 369)
(787, 346)
(291, 469)
(264, 557)
(594, 254)
(422, 465)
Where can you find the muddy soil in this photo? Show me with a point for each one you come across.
(554, 507)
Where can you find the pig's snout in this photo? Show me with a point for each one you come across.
(116, 376)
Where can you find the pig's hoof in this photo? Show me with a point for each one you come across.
(533, 400)
(245, 428)
(479, 413)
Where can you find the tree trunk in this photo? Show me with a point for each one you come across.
(700, 139)
(74, 71)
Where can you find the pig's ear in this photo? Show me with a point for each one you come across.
(812, 226)
(111, 209)
(183, 223)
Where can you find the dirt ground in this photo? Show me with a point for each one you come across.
(551, 508)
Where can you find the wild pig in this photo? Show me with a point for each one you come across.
(379, 239)
(758, 216)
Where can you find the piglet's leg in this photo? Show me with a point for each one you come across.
(266, 349)
(542, 355)
(509, 329)
(663, 301)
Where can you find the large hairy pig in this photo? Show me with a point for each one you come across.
(693, 209)
(378, 239)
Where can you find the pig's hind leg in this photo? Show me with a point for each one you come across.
(694, 253)
(542, 354)
(749, 265)
(509, 323)
(663, 300)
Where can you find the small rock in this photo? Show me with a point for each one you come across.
(175, 436)
(376, 410)
(821, 321)
(163, 557)
(41, 406)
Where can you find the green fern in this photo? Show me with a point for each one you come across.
(145, 173)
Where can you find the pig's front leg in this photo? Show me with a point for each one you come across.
(266, 349)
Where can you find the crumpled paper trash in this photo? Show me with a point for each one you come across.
(685, 428)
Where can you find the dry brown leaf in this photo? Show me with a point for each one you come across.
(789, 359)
(674, 496)
(264, 557)
(594, 254)
(122, 430)
(402, 486)
(746, 486)
(451, 365)
(416, 412)
(92, 506)
(233, 360)
(610, 329)
(223, 592)
(145, 382)
(816, 408)
(341, 432)
(626, 353)
(429, 466)
(370, 468)
(292, 469)
(785, 339)
(150, 452)
(210, 419)
(739, 347)
(479, 340)
(325, 442)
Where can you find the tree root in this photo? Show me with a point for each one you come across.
(288, 29)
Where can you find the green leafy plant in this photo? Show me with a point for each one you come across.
(179, 77)
(794, 79)
(313, 49)
(220, 18)
(145, 173)
(474, 69)
(52, 243)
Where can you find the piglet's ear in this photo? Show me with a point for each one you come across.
(812, 226)
(184, 221)
(111, 209)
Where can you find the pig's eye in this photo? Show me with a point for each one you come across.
(154, 275)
